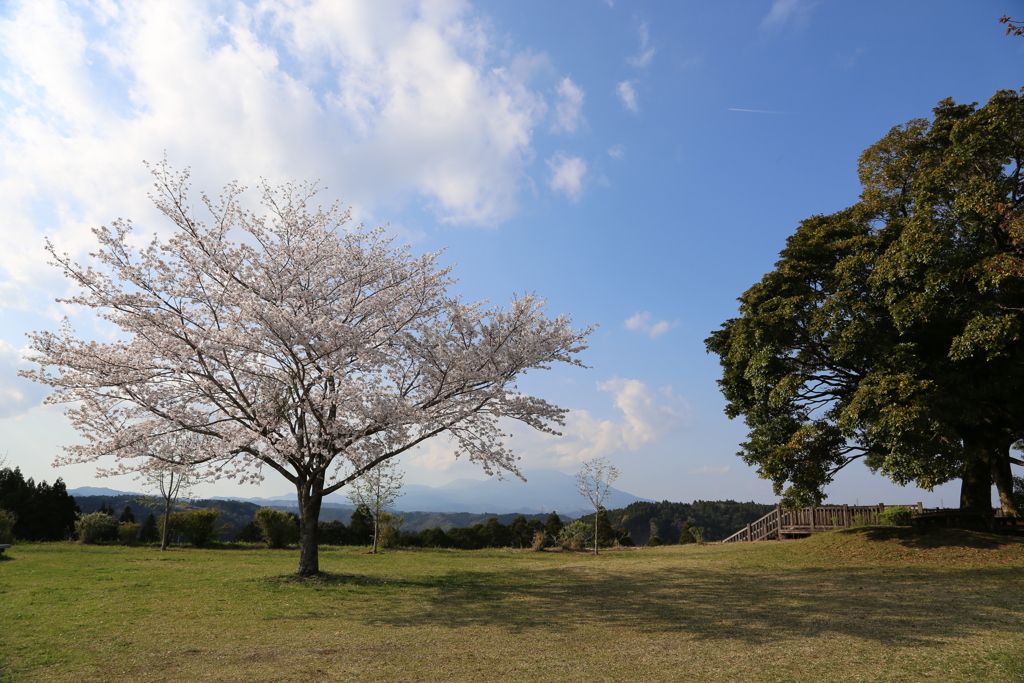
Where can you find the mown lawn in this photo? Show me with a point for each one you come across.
(859, 605)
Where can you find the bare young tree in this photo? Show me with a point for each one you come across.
(299, 345)
(594, 481)
(378, 490)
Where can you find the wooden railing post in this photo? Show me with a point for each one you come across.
(847, 522)
(812, 518)
(748, 533)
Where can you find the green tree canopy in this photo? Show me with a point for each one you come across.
(891, 331)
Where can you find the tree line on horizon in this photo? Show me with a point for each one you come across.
(43, 512)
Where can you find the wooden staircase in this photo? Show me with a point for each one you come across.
(781, 524)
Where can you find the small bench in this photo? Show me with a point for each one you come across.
(3, 547)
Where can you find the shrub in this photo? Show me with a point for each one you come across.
(7, 520)
(897, 515)
(96, 528)
(540, 539)
(575, 535)
(199, 526)
(250, 533)
(654, 541)
(387, 529)
(128, 533)
(279, 528)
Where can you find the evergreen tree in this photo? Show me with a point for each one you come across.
(127, 515)
(44, 512)
(361, 526)
(891, 331)
(149, 532)
(518, 531)
(553, 525)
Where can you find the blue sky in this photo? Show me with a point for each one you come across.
(638, 164)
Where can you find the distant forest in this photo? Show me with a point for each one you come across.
(715, 519)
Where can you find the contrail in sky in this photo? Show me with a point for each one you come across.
(756, 111)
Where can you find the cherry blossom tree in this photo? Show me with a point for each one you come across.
(378, 490)
(594, 481)
(291, 343)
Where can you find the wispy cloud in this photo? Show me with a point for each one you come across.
(707, 469)
(567, 175)
(645, 53)
(756, 111)
(616, 151)
(644, 322)
(569, 108)
(783, 12)
(628, 95)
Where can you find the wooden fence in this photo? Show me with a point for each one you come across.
(780, 523)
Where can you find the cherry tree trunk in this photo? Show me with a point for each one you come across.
(310, 499)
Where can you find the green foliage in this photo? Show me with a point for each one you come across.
(127, 515)
(893, 331)
(553, 525)
(897, 515)
(43, 512)
(149, 533)
(201, 527)
(7, 520)
(361, 526)
(714, 519)
(576, 535)
(388, 526)
(540, 541)
(277, 527)
(128, 533)
(653, 542)
(333, 532)
(98, 527)
(519, 533)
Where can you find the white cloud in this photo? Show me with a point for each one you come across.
(646, 417)
(437, 454)
(707, 469)
(645, 53)
(384, 102)
(628, 95)
(643, 322)
(616, 151)
(17, 395)
(568, 110)
(784, 12)
(567, 175)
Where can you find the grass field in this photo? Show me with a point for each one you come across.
(868, 604)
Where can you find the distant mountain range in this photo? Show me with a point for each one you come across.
(544, 491)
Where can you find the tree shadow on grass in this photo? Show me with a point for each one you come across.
(933, 538)
(917, 608)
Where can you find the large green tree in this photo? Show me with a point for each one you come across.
(892, 331)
